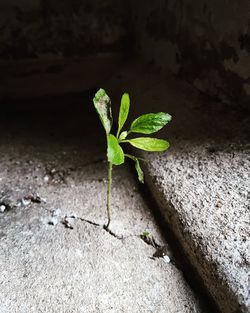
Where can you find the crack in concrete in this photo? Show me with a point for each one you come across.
(65, 221)
(88, 221)
(160, 251)
(108, 230)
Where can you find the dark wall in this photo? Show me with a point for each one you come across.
(41, 28)
(204, 42)
(51, 47)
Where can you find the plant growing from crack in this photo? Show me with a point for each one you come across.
(145, 124)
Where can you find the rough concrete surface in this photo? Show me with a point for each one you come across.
(202, 182)
(47, 267)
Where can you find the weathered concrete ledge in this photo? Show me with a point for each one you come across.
(201, 184)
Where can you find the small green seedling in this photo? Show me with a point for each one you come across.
(145, 124)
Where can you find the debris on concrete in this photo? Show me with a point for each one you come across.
(149, 239)
(160, 251)
(46, 178)
(30, 198)
(56, 177)
(3, 207)
(53, 221)
(68, 222)
(163, 252)
(25, 202)
(5, 204)
(166, 259)
(35, 198)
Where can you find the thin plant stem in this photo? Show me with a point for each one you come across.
(108, 193)
(134, 158)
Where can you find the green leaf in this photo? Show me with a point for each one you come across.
(139, 171)
(149, 144)
(123, 135)
(115, 153)
(102, 104)
(124, 109)
(150, 123)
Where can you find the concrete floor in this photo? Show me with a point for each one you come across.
(47, 267)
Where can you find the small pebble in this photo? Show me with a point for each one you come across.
(2, 208)
(53, 171)
(218, 204)
(67, 222)
(34, 198)
(25, 202)
(166, 259)
(46, 178)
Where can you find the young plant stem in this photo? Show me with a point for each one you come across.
(134, 158)
(108, 193)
